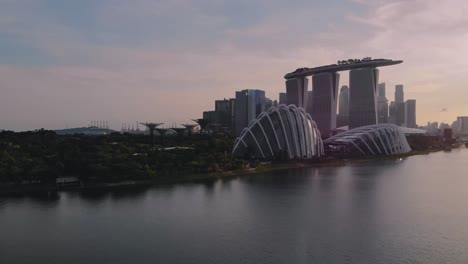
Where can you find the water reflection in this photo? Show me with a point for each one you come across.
(412, 211)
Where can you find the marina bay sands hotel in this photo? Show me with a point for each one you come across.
(363, 81)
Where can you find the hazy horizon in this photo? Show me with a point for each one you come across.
(71, 62)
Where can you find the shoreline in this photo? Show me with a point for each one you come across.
(7, 190)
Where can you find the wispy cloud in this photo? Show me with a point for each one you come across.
(134, 60)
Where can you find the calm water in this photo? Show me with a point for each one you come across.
(411, 211)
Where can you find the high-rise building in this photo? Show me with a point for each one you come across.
(342, 118)
(248, 105)
(325, 95)
(382, 104)
(296, 90)
(343, 107)
(232, 111)
(410, 113)
(283, 99)
(399, 94)
(221, 117)
(270, 103)
(462, 125)
(310, 99)
(362, 97)
(400, 115)
(392, 113)
(381, 90)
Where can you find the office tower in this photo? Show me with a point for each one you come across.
(443, 126)
(248, 105)
(392, 113)
(310, 98)
(221, 117)
(211, 117)
(325, 93)
(343, 108)
(259, 100)
(362, 97)
(283, 99)
(382, 104)
(400, 115)
(410, 113)
(342, 118)
(224, 113)
(222, 105)
(462, 122)
(232, 111)
(269, 103)
(381, 90)
(399, 94)
(296, 90)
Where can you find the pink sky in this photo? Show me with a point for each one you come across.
(168, 61)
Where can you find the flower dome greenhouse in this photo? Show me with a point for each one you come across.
(381, 139)
(283, 132)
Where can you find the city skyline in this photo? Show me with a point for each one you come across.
(121, 61)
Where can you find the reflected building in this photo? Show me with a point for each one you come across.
(362, 97)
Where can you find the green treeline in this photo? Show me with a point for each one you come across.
(42, 156)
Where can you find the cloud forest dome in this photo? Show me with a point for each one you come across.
(283, 132)
(381, 139)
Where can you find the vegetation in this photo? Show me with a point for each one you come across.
(42, 156)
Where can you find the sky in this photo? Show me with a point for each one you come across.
(64, 63)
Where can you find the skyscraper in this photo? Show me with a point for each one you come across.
(410, 113)
(296, 90)
(223, 110)
(381, 90)
(362, 97)
(382, 104)
(462, 125)
(399, 94)
(343, 107)
(342, 118)
(283, 99)
(392, 113)
(248, 105)
(325, 95)
(221, 117)
(400, 115)
(308, 106)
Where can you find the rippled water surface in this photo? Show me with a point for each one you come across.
(409, 211)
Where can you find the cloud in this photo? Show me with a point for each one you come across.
(138, 60)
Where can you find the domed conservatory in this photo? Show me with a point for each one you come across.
(371, 140)
(283, 132)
